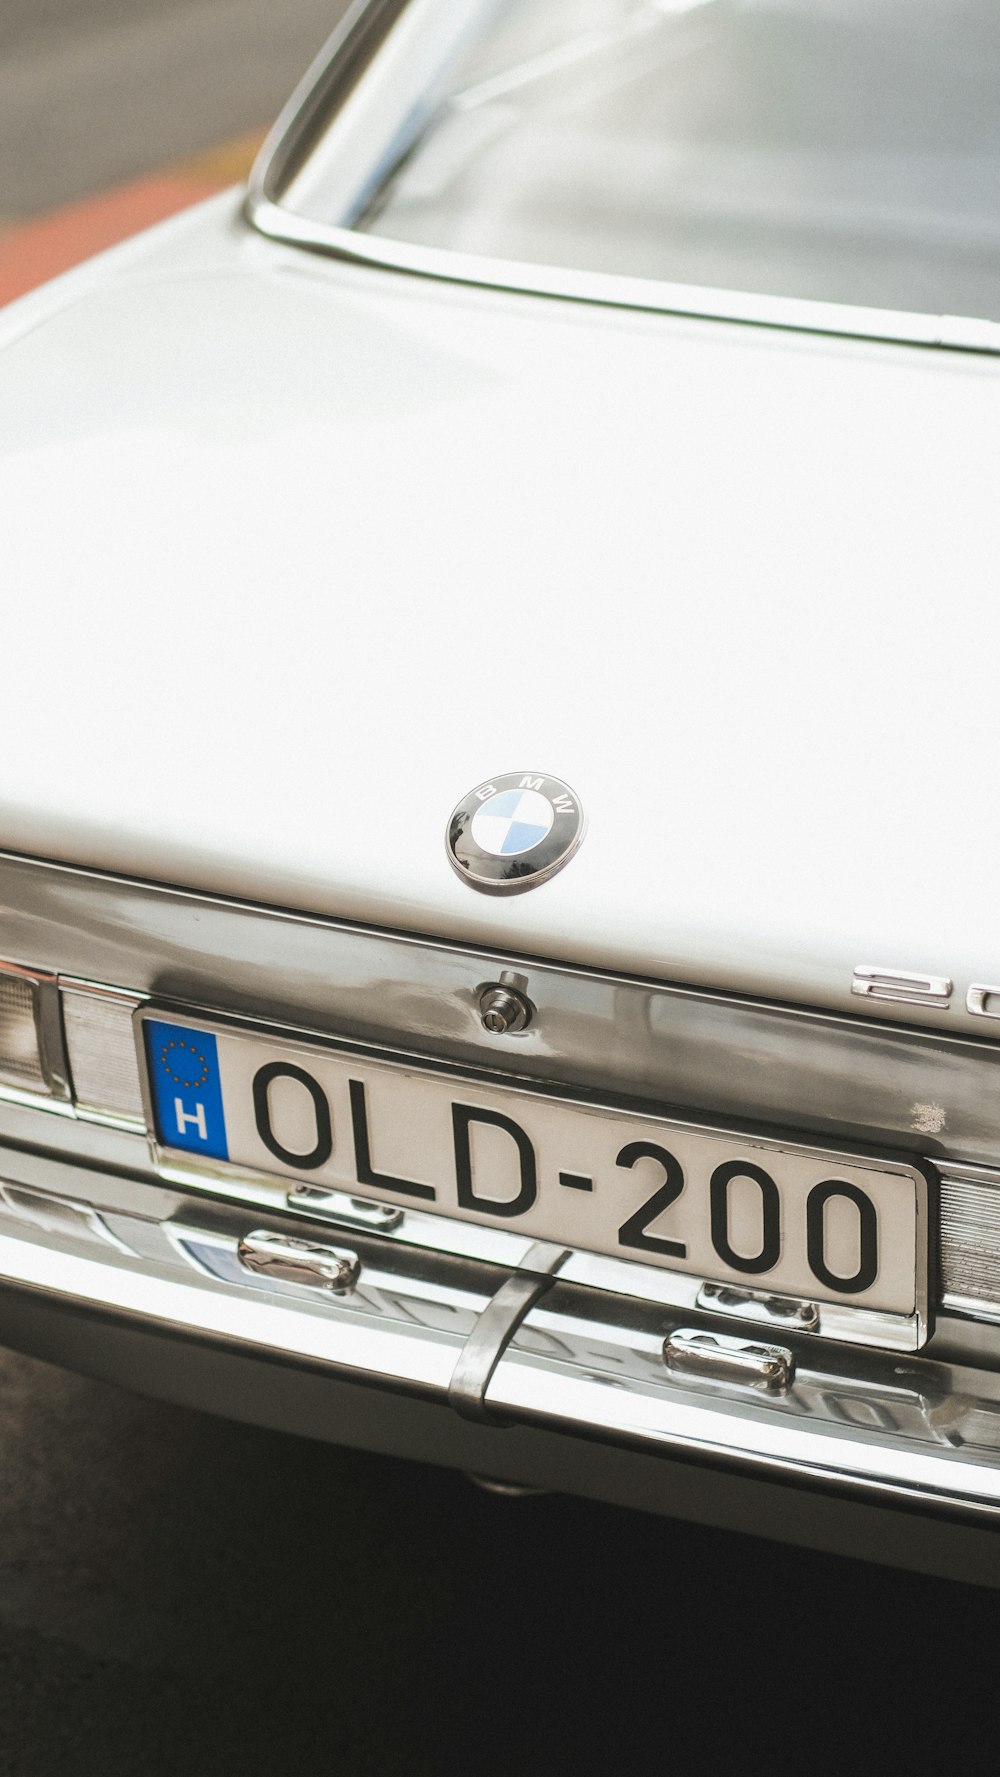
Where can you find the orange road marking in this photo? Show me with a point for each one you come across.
(34, 251)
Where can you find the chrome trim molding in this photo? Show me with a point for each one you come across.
(786, 1067)
(289, 1259)
(324, 100)
(350, 1212)
(919, 1431)
(902, 987)
(784, 314)
(787, 1312)
(978, 999)
(496, 1327)
(37, 1101)
(57, 1215)
(739, 1363)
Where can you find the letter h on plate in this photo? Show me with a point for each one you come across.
(187, 1091)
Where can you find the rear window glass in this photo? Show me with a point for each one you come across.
(840, 150)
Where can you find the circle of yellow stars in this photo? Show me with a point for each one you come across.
(181, 1061)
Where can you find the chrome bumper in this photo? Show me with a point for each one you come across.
(505, 1347)
(462, 1345)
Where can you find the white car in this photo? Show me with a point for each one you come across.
(499, 882)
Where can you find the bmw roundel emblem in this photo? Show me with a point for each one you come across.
(514, 832)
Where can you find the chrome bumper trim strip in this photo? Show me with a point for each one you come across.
(676, 1423)
(417, 1357)
(706, 1051)
(496, 1327)
(899, 1436)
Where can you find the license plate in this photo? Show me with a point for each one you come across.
(733, 1208)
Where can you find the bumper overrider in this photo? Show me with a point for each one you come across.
(397, 1328)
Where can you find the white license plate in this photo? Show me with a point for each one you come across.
(729, 1207)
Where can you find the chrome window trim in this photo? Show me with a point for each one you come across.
(345, 63)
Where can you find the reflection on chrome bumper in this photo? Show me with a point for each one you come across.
(512, 1346)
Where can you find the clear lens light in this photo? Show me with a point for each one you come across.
(20, 1061)
(102, 1054)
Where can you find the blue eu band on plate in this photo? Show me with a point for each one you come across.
(184, 1078)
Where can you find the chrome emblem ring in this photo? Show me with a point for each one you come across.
(514, 832)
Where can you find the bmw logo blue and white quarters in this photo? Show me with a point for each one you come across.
(514, 832)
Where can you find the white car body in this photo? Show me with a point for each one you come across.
(384, 537)
(296, 551)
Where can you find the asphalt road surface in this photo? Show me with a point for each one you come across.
(186, 1596)
(183, 1595)
(97, 91)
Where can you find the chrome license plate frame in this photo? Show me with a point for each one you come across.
(451, 1226)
